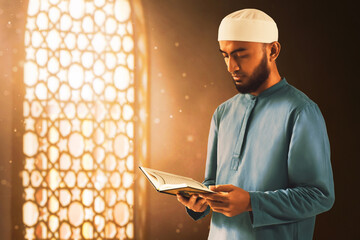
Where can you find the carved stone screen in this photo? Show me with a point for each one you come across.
(79, 115)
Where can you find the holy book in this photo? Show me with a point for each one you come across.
(173, 184)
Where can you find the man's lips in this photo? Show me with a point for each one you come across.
(237, 78)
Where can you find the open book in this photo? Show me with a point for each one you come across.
(172, 184)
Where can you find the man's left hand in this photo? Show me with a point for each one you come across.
(228, 200)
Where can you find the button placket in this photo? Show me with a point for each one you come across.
(235, 161)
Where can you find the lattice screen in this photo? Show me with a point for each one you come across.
(78, 143)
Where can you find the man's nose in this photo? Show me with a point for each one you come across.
(232, 65)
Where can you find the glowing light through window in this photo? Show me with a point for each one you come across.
(79, 114)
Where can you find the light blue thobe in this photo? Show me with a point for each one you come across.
(275, 146)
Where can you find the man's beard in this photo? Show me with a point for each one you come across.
(257, 78)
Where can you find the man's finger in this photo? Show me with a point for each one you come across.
(182, 199)
(218, 204)
(223, 188)
(192, 201)
(204, 207)
(220, 210)
(201, 204)
(200, 201)
(215, 197)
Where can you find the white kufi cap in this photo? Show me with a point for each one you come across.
(248, 25)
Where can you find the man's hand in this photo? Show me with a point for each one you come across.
(194, 203)
(229, 200)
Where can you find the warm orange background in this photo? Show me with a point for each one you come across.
(188, 79)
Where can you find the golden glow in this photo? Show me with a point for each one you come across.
(79, 120)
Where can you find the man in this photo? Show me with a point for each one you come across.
(268, 151)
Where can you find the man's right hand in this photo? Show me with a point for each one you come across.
(195, 203)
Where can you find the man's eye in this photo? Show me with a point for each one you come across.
(225, 56)
(242, 56)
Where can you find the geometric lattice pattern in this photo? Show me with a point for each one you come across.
(79, 120)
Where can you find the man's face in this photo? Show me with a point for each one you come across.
(247, 63)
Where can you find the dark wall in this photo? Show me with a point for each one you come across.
(320, 47)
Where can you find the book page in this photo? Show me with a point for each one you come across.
(174, 180)
(171, 180)
(153, 178)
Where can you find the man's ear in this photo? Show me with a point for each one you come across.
(274, 50)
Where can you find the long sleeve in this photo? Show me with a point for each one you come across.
(211, 158)
(210, 171)
(311, 187)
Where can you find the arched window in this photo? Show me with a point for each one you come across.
(84, 114)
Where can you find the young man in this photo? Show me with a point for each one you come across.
(268, 151)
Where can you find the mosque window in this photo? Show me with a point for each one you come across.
(84, 114)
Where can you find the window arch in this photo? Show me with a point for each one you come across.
(85, 115)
